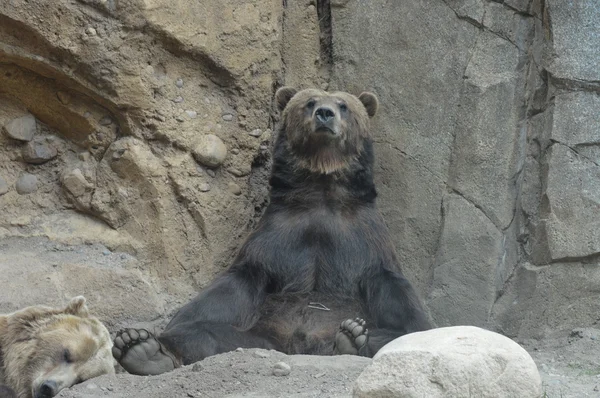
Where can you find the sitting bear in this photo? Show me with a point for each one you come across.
(320, 255)
(43, 350)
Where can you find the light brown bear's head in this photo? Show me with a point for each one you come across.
(45, 350)
(325, 131)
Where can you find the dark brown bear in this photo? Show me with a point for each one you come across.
(320, 255)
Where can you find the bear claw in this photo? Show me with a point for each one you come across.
(352, 336)
(140, 353)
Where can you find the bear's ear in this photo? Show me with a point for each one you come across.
(283, 96)
(77, 307)
(370, 101)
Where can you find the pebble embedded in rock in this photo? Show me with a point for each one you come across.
(227, 117)
(26, 184)
(256, 133)
(192, 114)
(63, 97)
(211, 173)
(105, 121)
(235, 189)
(3, 186)
(210, 151)
(204, 187)
(178, 99)
(179, 82)
(261, 354)
(281, 369)
(38, 151)
(22, 128)
(197, 367)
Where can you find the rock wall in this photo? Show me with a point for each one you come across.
(136, 134)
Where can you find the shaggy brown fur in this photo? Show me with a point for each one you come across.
(43, 350)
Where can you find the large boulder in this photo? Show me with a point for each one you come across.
(459, 361)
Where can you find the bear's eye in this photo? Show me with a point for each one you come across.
(67, 356)
(343, 107)
(311, 104)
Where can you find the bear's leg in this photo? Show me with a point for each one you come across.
(394, 307)
(393, 304)
(140, 353)
(194, 341)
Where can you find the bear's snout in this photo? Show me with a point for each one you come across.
(325, 120)
(47, 389)
(324, 114)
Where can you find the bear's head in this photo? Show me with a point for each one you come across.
(45, 349)
(325, 131)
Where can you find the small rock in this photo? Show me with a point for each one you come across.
(91, 31)
(256, 133)
(261, 354)
(91, 386)
(192, 114)
(239, 349)
(197, 367)
(210, 151)
(3, 186)
(227, 117)
(106, 252)
(38, 151)
(211, 173)
(235, 151)
(63, 97)
(319, 375)
(105, 121)
(74, 182)
(281, 369)
(180, 118)
(235, 189)
(26, 184)
(84, 156)
(22, 128)
(179, 82)
(204, 187)
(178, 99)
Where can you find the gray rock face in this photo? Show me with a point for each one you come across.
(3, 186)
(22, 128)
(460, 361)
(26, 184)
(573, 204)
(39, 151)
(493, 122)
(575, 33)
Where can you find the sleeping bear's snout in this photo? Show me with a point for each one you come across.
(47, 389)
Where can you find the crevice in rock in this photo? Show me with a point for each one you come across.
(593, 258)
(478, 207)
(441, 179)
(325, 36)
(465, 18)
(554, 141)
(574, 84)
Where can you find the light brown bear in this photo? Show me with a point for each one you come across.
(43, 349)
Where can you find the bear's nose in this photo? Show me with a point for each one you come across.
(324, 114)
(48, 389)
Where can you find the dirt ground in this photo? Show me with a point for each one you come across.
(242, 373)
(569, 368)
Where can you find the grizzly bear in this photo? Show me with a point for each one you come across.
(43, 350)
(319, 274)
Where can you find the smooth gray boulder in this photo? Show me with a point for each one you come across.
(459, 361)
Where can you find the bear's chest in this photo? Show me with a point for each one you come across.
(323, 251)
